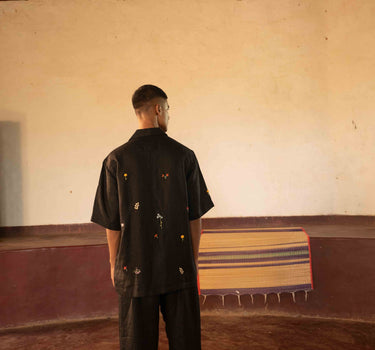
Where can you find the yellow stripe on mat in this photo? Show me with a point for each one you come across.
(254, 277)
(250, 264)
(223, 240)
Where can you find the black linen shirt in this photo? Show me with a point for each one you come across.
(149, 188)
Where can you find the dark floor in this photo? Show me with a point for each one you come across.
(220, 331)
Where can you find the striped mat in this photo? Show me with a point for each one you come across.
(254, 260)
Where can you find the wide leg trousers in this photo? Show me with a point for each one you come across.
(139, 320)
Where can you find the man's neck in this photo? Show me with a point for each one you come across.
(148, 124)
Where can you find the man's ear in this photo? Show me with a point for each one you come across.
(157, 108)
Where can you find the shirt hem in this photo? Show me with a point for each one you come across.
(105, 225)
(201, 213)
(156, 292)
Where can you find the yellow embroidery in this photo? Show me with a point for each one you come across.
(136, 206)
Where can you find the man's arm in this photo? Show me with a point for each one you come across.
(113, 238)
(195, 230)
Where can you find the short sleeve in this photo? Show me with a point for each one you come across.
(106, 203)
(199, 198)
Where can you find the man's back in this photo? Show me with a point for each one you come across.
(159, 189)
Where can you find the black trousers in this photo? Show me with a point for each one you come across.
(139, 320)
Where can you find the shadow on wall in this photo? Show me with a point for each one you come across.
(11, 203)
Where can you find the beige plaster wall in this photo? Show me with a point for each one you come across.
(275, 97)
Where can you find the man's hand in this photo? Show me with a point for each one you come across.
(113, 275)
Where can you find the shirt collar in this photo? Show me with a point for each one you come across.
(147, 132)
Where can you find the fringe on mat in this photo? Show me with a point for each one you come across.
(252, 296)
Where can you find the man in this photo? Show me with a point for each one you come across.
(150, 198)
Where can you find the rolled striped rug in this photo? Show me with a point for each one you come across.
(254, 260)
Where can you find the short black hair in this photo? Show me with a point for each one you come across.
(146, 93)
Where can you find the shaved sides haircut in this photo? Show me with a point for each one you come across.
(146, 93)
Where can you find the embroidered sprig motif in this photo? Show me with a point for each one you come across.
(165, 176)
(125, 268)
(156, 235)
(137, 271)
(125, 176)
(160, 218)
(136, 206)
(182, 237)
(181, 270)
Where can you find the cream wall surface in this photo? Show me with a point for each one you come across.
(276, 98)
